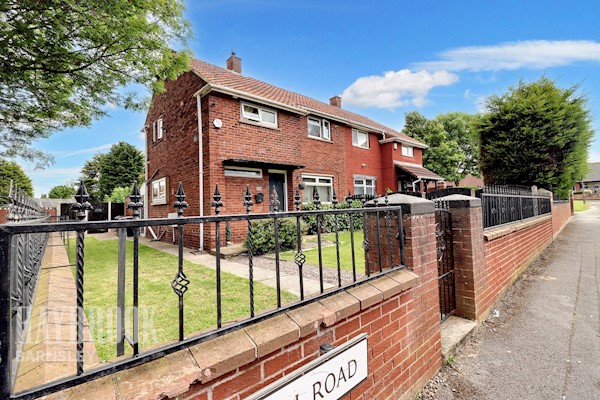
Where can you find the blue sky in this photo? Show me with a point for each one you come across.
(385, 58)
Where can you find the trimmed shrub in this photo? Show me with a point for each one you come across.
(263, 235)
(328, 221)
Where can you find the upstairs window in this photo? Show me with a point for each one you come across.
(360, 139)
(259, 114)
(408, 151)
(159, 191)
(319, 128)
(159, 129)
(324, 185)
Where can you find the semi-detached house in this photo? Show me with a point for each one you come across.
(214, 125)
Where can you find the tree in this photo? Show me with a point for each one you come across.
(63, 61)
(443, 155)
(62, 192)
(461, 127)
(119, 168)
(10, 170)
(90, 174)
(118, 195)
(536, 134)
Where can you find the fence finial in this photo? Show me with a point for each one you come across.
(274, 200)
(316, 198)
(297, 201)
(136, 203)
(217, 203)
(248, 203)
(180, 204)
(334, 199)
(82, 204)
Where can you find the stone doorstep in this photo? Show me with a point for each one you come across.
(230, 251)
(455, 332)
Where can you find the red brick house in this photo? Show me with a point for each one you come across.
(214, 125)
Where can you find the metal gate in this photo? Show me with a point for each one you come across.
(445, 260)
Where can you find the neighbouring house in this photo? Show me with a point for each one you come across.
(592, 180)
(214, 125)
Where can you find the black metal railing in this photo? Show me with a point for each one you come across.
(505, 204)
(447, 192)
(18, 286)
(390, 237)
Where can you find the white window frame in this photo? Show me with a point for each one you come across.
(260, 118)
(159, 129)
(363, 183)
(320, 180)
(408, 151)
(355, 142)
(160, 198)
(324, 128)
(242, 172)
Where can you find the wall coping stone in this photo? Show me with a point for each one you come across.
(272, 334)
(499, 231)
(215, 363)
(368, 295)
(461, 201)
(173, 374)
(410, 204)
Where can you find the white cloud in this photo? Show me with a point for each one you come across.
(531, 54)
(594, 156)
(396, 88)
(89, 150)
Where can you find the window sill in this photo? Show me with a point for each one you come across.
(320, 139)
(360, 147)
(159, 202)
(250, 122)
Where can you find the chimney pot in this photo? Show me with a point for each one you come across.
(234, 63)
(336, 101)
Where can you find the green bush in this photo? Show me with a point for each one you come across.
(263, 235)
(328, 221)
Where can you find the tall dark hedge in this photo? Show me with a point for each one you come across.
(535, 134)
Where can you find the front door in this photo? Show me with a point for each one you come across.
(277, 183)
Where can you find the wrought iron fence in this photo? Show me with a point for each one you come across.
(389, 237)
(505, 204)
(18, 285)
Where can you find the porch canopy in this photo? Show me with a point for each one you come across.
(417, 173)
(260, 164)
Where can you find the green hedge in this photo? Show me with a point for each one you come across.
(328, 221)
(263, 234)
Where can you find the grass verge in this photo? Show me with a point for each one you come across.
(580, 205)
(158, 304)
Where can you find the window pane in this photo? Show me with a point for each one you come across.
(369, 190)
(307, 193)
(268, 117)
(354, 137)
(325, 180)
(307, 180)
(314, 130)
(359, 190)
(326, 134)
(369, 182)
(363, 139)
(358, 182)
(250, 112)
(324, 193)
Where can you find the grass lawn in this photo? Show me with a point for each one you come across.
(329, 253)
(580, 205)
(158, 304)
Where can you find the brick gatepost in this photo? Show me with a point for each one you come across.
(469, 257)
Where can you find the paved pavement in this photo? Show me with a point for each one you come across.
(544, 342)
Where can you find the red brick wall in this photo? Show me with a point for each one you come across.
(404, 345)
(561, 212)
(505, 259)
(176, 156)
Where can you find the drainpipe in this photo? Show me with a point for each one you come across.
(415, 182)
(200, 168)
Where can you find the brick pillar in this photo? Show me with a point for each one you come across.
(469, 259)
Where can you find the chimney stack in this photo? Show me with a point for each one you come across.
(336, 101)
(234, 63)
